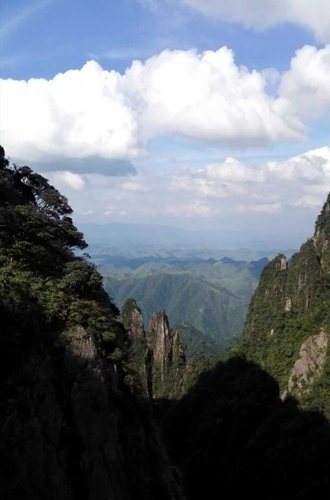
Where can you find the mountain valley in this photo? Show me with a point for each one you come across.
(101, 403)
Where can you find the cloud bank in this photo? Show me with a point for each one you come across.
(205, 97)
(218, 191)
(301, 181)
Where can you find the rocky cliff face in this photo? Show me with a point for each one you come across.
(138, 352)
(309, 366)
(156, 356)
(71, 430)
(288, 323)
(169, 362)
(163, 341)
(132, 319)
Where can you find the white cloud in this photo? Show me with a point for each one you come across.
(228, 189)
(305, 88)
(271, 196)
(303, 181)
(73, 181)
(259, 14)
(91, 111)
(208, 98)
(312, 167)
(79, 113)
(233, 171)
(310, 200)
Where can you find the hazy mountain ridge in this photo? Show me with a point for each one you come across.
(169, 237)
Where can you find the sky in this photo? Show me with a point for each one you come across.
(196, 114)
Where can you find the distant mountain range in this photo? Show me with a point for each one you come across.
(208, 288)
(210, 295)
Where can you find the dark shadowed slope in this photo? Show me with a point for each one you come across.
(232, 434)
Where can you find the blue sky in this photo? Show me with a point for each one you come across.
(149, 141)
(45, 37)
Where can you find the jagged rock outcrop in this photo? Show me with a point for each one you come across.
(310, 364)
(139, 352)
(288, 322)
(288, 304)
(132, 319)
(71, 431)
(156, 356)
(179, 356)
(169, 362)
(283, 265)
(159, 325)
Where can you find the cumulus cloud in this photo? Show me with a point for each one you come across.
(206, 97)
(93, 120)
(228, 190)
(234, 171)
(302, 181)
(305, 88)
(78, 114)
(310, 168)
(74, 181)
(260, 14)
(92, 113)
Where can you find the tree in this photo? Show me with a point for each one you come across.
(35, 222)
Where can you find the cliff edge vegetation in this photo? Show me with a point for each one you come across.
(288, 323)
(72, 422)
